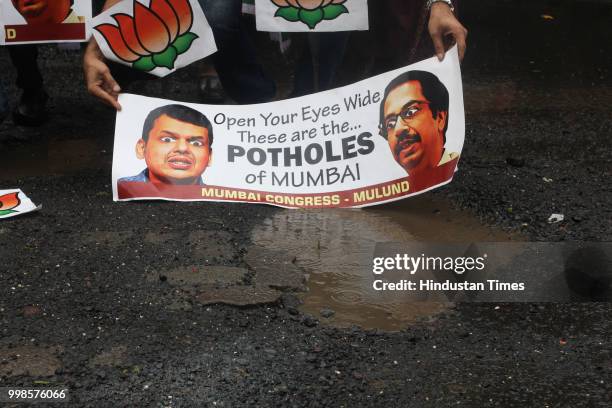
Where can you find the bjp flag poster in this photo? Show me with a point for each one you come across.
(14, 202)
(311, 15)
(44, 21)
(382, 139)
(156, 36)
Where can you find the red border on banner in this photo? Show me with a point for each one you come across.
(358, 197)
(44, 32)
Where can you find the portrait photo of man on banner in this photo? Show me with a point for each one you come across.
(44, 21)
(176, 145)
(414, 120)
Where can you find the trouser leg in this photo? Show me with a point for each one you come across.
(25, 60)
(242, 76)
(4, 107)
(321, 56)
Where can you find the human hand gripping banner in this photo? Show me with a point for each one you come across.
(379, 140)
(156, 36)
(311, 15)
(44, 21)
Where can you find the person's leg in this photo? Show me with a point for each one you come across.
(236, 63)
(25, 61)
(97, 6)
(4, 107)
(322, 54)
(332, 47)
(211, 89)
(31, 108)
(304, 76)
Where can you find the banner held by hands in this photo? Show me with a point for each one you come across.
(379, 140)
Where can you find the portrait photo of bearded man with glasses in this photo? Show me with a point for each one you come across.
(414, 120)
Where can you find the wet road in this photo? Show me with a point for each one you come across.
(120, 302)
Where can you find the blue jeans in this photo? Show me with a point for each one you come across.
(241, 75)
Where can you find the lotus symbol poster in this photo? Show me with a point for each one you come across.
(14, 202)
(311, 15)
(156, 36)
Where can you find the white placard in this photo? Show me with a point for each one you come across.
(44, 21)
(14, 202)
(156, 36)
(311, 15)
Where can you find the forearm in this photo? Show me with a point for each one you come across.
(110, 3)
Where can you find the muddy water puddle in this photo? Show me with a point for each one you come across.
(55, 157)
(335, 248)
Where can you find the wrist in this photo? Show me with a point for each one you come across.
(439, 5)
(93, 50)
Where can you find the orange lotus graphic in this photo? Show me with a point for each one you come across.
(154, 36)
(8, 202)
(310, 12)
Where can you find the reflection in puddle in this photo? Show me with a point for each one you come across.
(55, 157)
(336, 248)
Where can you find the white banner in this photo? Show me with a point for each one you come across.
(156, 36)
(379, 140)
(311, 15)
(44, 21)
(14, 202)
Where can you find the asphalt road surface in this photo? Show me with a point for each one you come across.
(100, 297)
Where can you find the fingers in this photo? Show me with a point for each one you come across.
(459, 35)
(110, 83)
(112, 89)
(98, 91)
(443, 23)
(438, 42)
(101, 84)
(461, 39)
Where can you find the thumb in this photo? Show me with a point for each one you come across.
(111, 83)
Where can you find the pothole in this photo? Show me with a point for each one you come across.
(117, 356)
(335, 248)
(29, 361)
